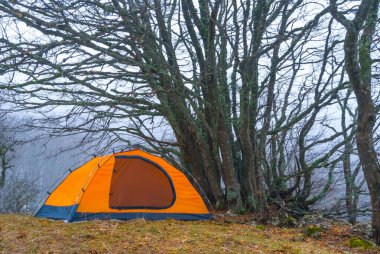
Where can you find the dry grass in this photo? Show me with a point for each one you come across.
(25, 234)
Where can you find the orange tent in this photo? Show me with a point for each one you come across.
(125, 185)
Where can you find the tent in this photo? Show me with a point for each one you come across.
(125, 185)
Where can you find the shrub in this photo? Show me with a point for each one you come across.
(313, 231)
(356, 242)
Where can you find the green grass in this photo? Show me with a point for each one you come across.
(356, 242)
(25, 234)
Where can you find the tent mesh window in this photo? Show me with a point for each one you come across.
(138, 183)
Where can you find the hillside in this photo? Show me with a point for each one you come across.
(25, 234)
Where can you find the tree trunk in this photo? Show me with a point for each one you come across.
(4, 167)
(367, 153)
(351, 197)
(253, 186)
(350, 186)
(233, 188)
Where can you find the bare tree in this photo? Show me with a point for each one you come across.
(351, 167)
(357, 49)
(238, 91)
(7, 146)
(18, 195)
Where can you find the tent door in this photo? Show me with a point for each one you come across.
(138, 183)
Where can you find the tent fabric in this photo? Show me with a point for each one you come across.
(125, 185)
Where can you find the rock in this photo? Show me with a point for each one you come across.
(230, 213)
(275, 221)
(288, 221)
(363, 230)
(326, 224)
(319, 221)
(283, 220)
(310, 219)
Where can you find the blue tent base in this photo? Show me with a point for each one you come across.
(63, 213)
(56, 212)
(148, 216)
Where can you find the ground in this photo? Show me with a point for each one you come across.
(25, 234)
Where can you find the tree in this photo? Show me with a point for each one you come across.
(7, 145)
(18, 195)
(357, 49)
(237, 90)
(351, 167)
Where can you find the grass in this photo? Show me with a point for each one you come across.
(25, 234)
(356, 242)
